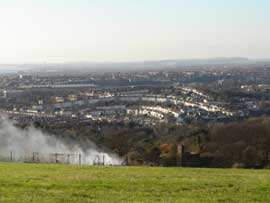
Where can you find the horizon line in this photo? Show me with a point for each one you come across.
(135, 61)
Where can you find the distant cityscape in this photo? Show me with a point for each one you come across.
(203, 94)
(157, 107)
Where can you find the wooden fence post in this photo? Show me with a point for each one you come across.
(11, 158)
(55, 157)
(80, 159)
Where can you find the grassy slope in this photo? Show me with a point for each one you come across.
(40, 183)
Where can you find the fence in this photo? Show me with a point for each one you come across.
(35, 157)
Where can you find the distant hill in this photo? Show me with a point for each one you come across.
(210, 61)
(133, 66)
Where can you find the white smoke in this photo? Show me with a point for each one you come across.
(31, 143)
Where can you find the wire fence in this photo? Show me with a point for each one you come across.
(36, 157)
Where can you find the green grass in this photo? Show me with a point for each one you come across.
(24, 183)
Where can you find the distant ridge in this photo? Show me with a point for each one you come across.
(133, 66)
(217, 60)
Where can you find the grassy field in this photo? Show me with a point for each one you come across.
(24, 183)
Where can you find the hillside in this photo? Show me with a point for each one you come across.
(40, 183)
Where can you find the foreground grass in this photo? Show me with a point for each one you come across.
(24, 183)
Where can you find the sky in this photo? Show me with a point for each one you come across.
(38, 31)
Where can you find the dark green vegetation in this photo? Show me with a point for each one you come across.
(40, 183)
(237, 144)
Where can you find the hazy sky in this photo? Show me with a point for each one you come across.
(131, 30)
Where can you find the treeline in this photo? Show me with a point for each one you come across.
(241, 144)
